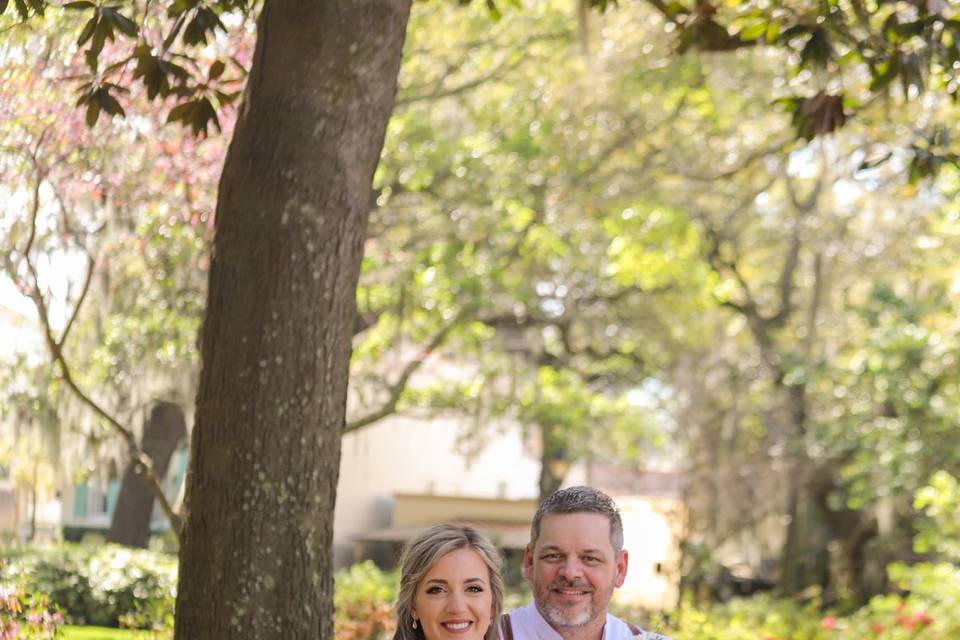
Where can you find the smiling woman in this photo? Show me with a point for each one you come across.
(450, 586)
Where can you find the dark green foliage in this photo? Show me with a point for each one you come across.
(197, 114)
(815, 115)
(95, 585)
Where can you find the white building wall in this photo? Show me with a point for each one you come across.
(406, 455)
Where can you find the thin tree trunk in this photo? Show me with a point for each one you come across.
(295, 194)
(33, 503)
(554, 461)
(162, 432)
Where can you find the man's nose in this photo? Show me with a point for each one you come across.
(571, 569)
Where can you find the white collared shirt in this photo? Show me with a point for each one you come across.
(528, 624)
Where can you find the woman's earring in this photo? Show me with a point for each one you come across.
(414, 623)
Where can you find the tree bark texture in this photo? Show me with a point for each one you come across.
(295, 194)
(163, 431)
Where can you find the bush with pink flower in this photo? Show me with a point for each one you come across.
(27, 616)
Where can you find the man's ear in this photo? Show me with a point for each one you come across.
(527, 562)
(621, 568)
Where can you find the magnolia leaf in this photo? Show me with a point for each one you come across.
(226, 98)
(206, 114)
(108, 103)
(181, 112)
(196, 31)
(93, 60)
(182, 91)
(216, 70)
(174, 30)
(174, 70)
(817, 51)
(125, 25)
(93, 112)
(100, 35)
(87, 30)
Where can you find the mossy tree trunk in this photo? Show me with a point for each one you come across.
(291, 219)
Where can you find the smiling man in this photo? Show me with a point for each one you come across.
(573, 563)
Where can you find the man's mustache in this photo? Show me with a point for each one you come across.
(571, 584)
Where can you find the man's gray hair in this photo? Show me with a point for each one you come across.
(580, 500)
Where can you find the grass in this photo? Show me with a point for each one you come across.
(103, 633)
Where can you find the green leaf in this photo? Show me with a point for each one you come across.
(794, 32)
(87, 30)
(125, 25)
(754, 31)
(174, 70)
(93, 112)
(93, 60)
(206, 115)
(818, 51)
(196, 31)
(181, 112)
(773, 32)
(226, 98)
(174, 30)
(3, 6)
(86, 94)
(216, 70)
(22, 9)
(108, 103)
(884, 73)
(80, 4)
(911, 72)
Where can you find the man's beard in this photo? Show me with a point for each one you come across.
(563, 616)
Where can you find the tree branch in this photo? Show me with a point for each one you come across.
(143, 464)
(397, 388)
(438, 92)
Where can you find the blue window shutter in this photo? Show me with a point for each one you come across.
(80, 500)
(113, 490)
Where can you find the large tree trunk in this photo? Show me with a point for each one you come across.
(851, 531)
(804, 559)
(163, 431)
(294, 199)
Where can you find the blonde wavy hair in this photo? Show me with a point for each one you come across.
(419, 556)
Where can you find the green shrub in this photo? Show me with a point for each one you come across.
(363, 599)
(97, 585)
(762, 617)
(928, 609)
